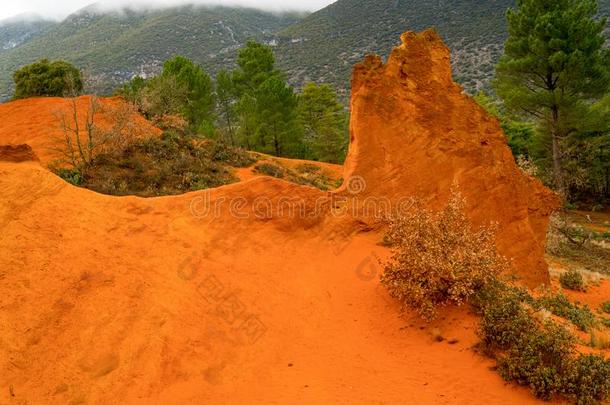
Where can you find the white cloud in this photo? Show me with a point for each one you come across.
(60, 8)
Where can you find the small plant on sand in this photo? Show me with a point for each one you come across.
(439, 258)
(270, 169)
(606, 307)
(559, 305)
(572, 280)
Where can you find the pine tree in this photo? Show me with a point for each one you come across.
(278, 129)
(199, 109)
(324, 122)
(553, 68)
(256, 63)
(226, 103)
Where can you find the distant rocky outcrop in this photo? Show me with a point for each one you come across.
(414, 132)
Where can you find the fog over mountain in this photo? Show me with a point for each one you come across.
(60, 9)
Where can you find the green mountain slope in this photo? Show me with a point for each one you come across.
(325, 45)
(322, 47)
(19, 30)
(112, 47)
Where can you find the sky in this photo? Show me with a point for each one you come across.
(57, 9)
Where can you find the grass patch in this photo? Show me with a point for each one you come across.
(600, 339)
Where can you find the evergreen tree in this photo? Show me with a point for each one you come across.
(266, 105)
(553, 67)
(256, 63)
(44, 78)
(225, 96)
(324, 122)
(278, 129)
(199, 108)
(519, 134)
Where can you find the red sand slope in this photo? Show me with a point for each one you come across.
(130, 300)
(35, 122)
(127, 300)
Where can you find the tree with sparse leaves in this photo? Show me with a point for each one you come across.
(226, 105)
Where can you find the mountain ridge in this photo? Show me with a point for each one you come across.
(114, 46)
(323, 46)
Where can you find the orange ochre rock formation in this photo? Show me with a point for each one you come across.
(219, 296)
(415, 133)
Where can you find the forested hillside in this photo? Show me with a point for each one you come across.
(112, 47)
(325, 45)
(321, 47)
(19, 30)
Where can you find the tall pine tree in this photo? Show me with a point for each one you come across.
(199, 108)
(324, 122)
(553, 68)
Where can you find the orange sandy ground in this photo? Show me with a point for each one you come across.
(108, 300)
(130, 300)
(36, 122)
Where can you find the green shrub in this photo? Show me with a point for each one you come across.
(539, 357)
(606, 307)
(558, 304)
(235, 157)
(588, 379)
(572, 280)
(504, 318)
(270, 169)
(44, 78)
(72, 176)
(539, 354)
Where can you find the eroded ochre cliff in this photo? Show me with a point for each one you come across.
(415, 133)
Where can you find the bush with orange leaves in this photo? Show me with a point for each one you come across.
(439, 258)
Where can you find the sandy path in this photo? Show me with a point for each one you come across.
(127, 300)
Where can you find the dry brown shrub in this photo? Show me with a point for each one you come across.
(171, 122)
(439, 258)
(105, 128)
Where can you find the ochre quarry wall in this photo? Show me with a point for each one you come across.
(414, 132)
